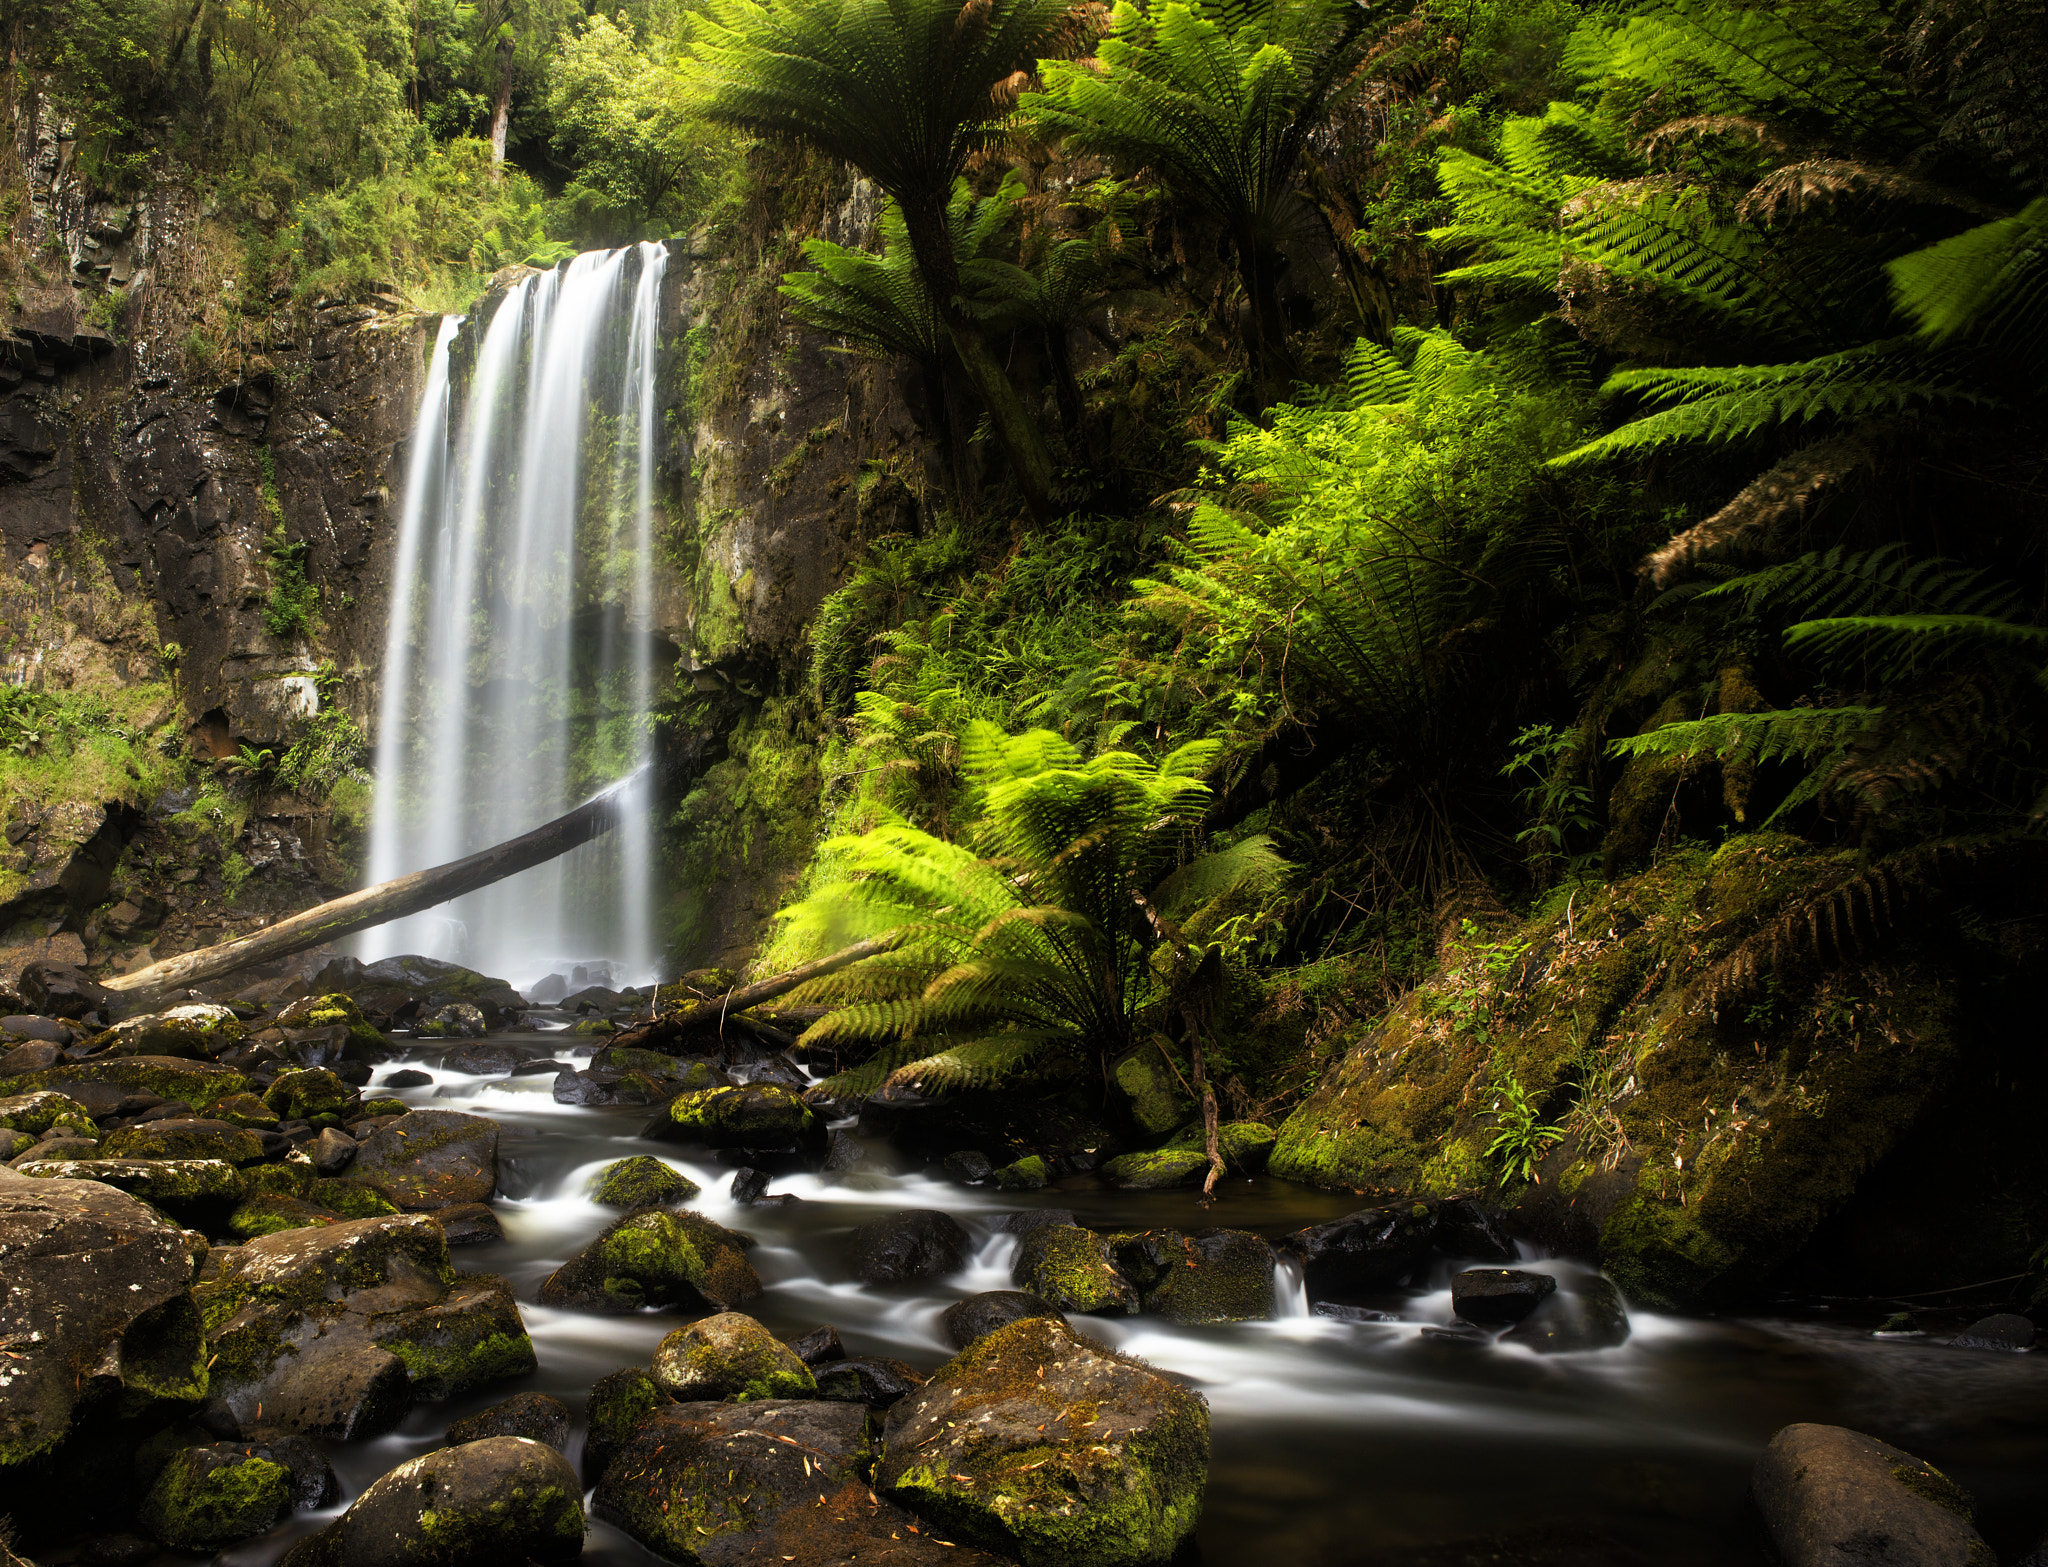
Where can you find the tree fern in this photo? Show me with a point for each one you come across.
(1992, 279)
(1806, 734)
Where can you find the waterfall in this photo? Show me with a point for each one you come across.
(519, 664)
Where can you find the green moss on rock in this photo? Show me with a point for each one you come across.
(36, 1113)
(1070, 1269)
(200, 1084)
(730, 1356)
(1028, 1174)
(1156, 1169)
(326, 1012)
(206, 1498)
(755, 1115)
(308, 1092)
(642, 1182)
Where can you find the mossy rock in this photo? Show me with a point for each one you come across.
(382, 1107)
(619, 1401)
(174, 1183)
(1220, 1276)
(642, 1181)
(37, 1113)
(1729, 1134)
(504, 1499)
(754, 1115)
(1028, 1174)
(1244, 1145)
(428, 1159)
(1051, 1449)
(286, 1178)
(688, 1074)
(1154, 1094)
(730, 1356)
(194, 1139)
(350, 1199)
(200, 1084)
(196, 1032)
(307, 1092)
(656, 1257)
(14, 1144)
(470, 1339)
(327, 1011)
(1069, 1268)
(207, 1498)
(1156, 1169)
(269, 1213)
(246, 1110)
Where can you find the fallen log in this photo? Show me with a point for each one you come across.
(712, 1012)
(389, 900)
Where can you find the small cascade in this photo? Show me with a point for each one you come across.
(519, 664)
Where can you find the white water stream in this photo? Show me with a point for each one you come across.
(518, 671)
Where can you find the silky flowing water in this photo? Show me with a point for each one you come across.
(1333, 1442)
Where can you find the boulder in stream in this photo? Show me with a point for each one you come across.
(1216, 1276)
(1829, 1495)
(874, 1380)
(730, 1355)
(642, 1181)
(335, 1330)
(906, 1246)
(502, 1500)
(1496, 1297)
(980, 1315)
(183, 1138)
(207, 1498)
(752, 1115)
(1366, 1250)
(776, 1481)
(428, 1159)
(93, 1284)
(656, 1257)
(1047, 1447)
(1584, 1313)
(2006, 1330)
(1070, 1269)
(618, 1402)
(532, 1415)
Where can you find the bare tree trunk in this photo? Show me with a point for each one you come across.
(1209, 1116)
(389, 900)
(668, 1027)
(501, 111)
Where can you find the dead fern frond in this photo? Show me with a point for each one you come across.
(1781, 492)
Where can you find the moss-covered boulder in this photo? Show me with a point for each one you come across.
(1153, 1092)
(93, 1278)
(351, 1199)
(619, 1401)
(335, 1330)
(200, 1084)
(688, 1074)
(642, 1182)
(1070, 1269)
(196, 1138)
(1217, 1276)
(656, 1257)
(42, 1112)
(1051, 1449)
(269, 1213)
(534, 1416)
(729, 1355)
(167, 1183)
(246, 1110)
(306, 1092)
(327, 1012)
(504, 1499)
(978, 1316)
(752, 1115)
(291, 1176)
(1156, 1168)
(428, 1159)
(1028, 1174)
(207, 1498)
(770, 1481)
(1725, 1085)
(198, 1031)
(1244, 1145)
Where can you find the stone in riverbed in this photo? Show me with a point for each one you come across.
(618, 1402)
(201, 1084)
(1098, 1462)
(89, 1277)
(1156, 1169)
(1471, 1231)
(1496, 1297)
(457, 1020)
(42, 1112)
(906, 1246)
(502, 1500)
(199, 1031)
(656, 1257)
(308, 1091)
(709, 1485)
(28, 1058)
(482, 1060)
(169, 1183)
(2006, 1330)
(977, 1316)
(185, 1139)
(532, 1415)
(1070, 1269)
(730, 1356)
(1366, 1250)
(207, 1498)
(1585, 1313)
(409, 1077)
(1829, 1495)
(817, 1346)
(874, 1380)
(469, 1224)
(1218, 1276)
(330, 1011)
(428, 1159)
(756, 1115)
(642, 1181)
(1026, 1175)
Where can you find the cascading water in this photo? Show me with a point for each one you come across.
(519, 663)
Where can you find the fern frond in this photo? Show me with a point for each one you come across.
(980, 1063)
(1896, 646)
(1783, 490)
(1801, 733)
(1991, 280)
(1883, 581)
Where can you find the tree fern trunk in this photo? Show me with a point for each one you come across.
(501, 111)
